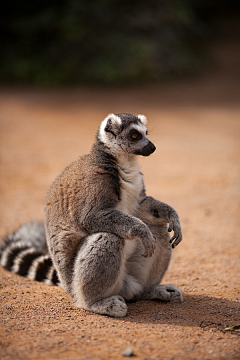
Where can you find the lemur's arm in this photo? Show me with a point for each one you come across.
(156, 212)
(123, 225)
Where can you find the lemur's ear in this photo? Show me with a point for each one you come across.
(143, 119)
(111, 124)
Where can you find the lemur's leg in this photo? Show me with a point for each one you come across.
(159, 266)
(160, 263)
(63, 247)
(149, 272)
(98, 275)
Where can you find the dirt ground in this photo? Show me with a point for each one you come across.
(195, 125)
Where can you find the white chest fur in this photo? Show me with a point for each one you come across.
(131, 186)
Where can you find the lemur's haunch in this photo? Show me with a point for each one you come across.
(105, 240)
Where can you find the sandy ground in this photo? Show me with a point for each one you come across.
(195, 125)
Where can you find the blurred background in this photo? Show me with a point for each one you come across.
(51, 42)
(65, 65)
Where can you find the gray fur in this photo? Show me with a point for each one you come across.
(101, 244)
(108, 241)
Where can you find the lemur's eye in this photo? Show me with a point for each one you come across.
(135, 135)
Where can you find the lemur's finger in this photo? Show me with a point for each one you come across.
(176, 242)
(173, 237)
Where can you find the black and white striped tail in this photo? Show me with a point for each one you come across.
(24, 252)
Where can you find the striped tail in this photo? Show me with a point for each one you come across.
(24, 252)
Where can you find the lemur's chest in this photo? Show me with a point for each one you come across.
(131, 185)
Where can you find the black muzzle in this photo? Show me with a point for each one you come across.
(148, 149)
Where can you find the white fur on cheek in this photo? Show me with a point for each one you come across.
(143, 119)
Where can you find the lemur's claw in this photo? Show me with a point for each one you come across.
(176, 239)
(174, 225)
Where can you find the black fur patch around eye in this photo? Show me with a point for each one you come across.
(155, 213)
(135, 135)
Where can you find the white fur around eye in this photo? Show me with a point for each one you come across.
(140, 128)
(143, 119)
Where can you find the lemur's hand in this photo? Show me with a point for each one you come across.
(149, 244)
(143, 234)
(174, 224)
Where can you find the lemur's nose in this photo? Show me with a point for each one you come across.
(148, 149)
(152, 147)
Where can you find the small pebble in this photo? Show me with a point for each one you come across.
(128, 352)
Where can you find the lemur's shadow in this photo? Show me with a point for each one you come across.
(196, 310)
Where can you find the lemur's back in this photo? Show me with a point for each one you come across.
(73, 193)
(90, 182)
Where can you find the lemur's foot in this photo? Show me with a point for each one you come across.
(168, 293)
(112, 306)
(162, 292)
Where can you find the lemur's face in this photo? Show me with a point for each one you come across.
(126, 133)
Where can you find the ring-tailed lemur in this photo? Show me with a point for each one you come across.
(107, 241)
